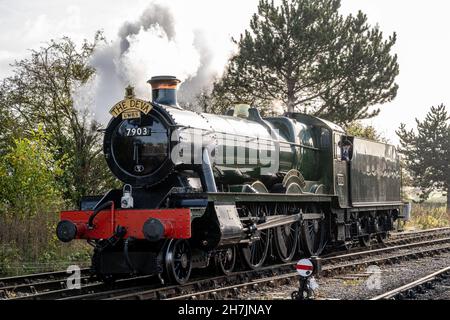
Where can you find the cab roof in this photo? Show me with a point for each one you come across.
(311, 120)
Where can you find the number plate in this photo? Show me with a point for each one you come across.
(341, 180)
(138, 132)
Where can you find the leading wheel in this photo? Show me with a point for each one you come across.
(178, 261)
(313, 234)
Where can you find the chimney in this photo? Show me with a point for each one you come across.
(164, 90)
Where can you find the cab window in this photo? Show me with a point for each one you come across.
(325, 139)
(337, 147)
(346, 148)
(306, 137)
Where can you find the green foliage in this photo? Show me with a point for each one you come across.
(28, 176)
(426, 152)
(81, 253)
(9, 254)
(41, 91)
(312, 59)
(30, 199)
(50, 155)
(357, 129)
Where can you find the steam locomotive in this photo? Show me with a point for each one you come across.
(205, 190)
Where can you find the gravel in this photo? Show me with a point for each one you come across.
(367, 284)
(441, 291)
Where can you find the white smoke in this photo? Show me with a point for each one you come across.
(152, 45)
(204, 76)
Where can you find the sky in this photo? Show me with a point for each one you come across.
(423, 45)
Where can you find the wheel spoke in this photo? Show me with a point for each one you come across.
(255, 253)
(179, 266)
(286, 243)
(313, 235)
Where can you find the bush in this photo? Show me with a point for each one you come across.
(30, 202)
(8, 256)
(428, 216)
(28, 176)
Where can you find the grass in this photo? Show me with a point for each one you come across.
(12, 263)
(30, 246)
(428, 216)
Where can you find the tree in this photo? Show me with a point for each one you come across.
(29, 199)
(41, 91)
(28, 174)
(216, 103)
(427, 152)
(308, 56)
(7, 126)
(357, 129)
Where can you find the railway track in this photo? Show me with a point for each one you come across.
(414, 289)
(330, 266)
(35, 283)
(399, 235)
(47, 286)
(230, 286)
(91, 288)
(37, 277)
(399, 238)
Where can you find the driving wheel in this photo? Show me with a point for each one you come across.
(178, 261)
(313, 234)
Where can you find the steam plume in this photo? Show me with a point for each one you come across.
(202, 80)
(153, 16)
(151, 45)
